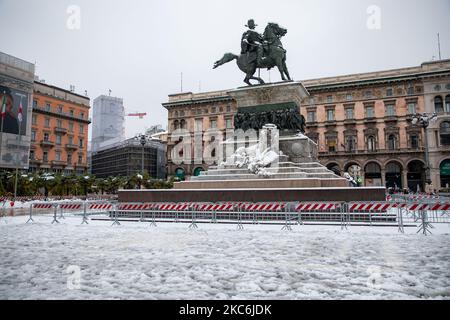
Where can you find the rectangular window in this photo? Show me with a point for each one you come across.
(414, 138)
(411, 108)
(82, 115)
(58, 139)
(33, 135)
(349, 113)
(35, 104)
(330, 99)
(47, 107)
(349, 97)
(58, 156)
(60, 109)
(330, 115)
(213, 124)
(59, 123)
(71, 126)
(229, 123)
(81, 128)
(213, 109)
(370, 112)
(45, 156)
(389, 92)
(331, 144)
(46, 136)
(80, 142)
(228, 108)
(311, 116)
(390, 110)
(198, 125)
(34, 119)
(80, 159)
(47, 122)
(368, 94)
(70, 140)
(31, 154)
(69, 159)
(410, 90)
(71, 112)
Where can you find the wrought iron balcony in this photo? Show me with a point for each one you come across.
(47, 144)
(60, 130)
(58, 163)
(71, 146)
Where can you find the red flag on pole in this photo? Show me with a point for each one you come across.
(19, 115)
(4, 105)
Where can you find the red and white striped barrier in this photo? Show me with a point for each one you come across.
(369, 206)
(70, 206)
(316, 206)
(99, 206)
(440, 207)
(42, 205)
(264, 207)
(135, 206)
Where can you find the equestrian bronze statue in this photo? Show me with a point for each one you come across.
(259, 51)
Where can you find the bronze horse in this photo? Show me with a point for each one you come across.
(274, 55)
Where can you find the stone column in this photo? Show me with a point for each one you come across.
(383, 177)
(405, 178)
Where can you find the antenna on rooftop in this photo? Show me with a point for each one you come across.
(439, 46)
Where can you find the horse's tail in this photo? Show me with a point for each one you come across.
(227, 57)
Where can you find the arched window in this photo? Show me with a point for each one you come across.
(438, 107)
(444, 131)
(371, 144)
(447, 103)
(176, 125)
(183, 124)
(392, 142)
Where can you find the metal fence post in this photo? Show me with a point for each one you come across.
(153, 223)
(61, 216)
(54, 215)
(84, 214)
(343, 216)
(239, 226)
(400, 219)
(287, 225)
(425, 225)
(193, 224)
(116, 221)
(30, 219)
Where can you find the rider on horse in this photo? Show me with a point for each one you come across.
(252, 43)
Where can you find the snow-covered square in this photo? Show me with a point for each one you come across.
(218, 261)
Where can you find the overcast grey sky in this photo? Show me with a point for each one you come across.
(139, 48)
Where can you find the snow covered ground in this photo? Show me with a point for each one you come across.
(135, 261)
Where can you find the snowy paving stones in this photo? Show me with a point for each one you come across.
(132, 261)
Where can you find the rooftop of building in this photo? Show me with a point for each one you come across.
(156, 143)
(349, 79)
(16, 62)
(108, 98)
(60, 93)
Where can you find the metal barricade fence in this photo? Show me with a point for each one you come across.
(402, 212)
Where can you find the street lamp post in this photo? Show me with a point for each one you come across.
(423, 120)
(143, 141)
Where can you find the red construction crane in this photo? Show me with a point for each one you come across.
(141, 115)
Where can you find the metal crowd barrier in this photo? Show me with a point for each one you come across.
(395, 213)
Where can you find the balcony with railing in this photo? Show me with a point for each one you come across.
(371, 152)
(62, 114)
(60, 130)
(47, 144)
(71, 146)
(58, 163)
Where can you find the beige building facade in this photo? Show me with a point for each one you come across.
(361, 123)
